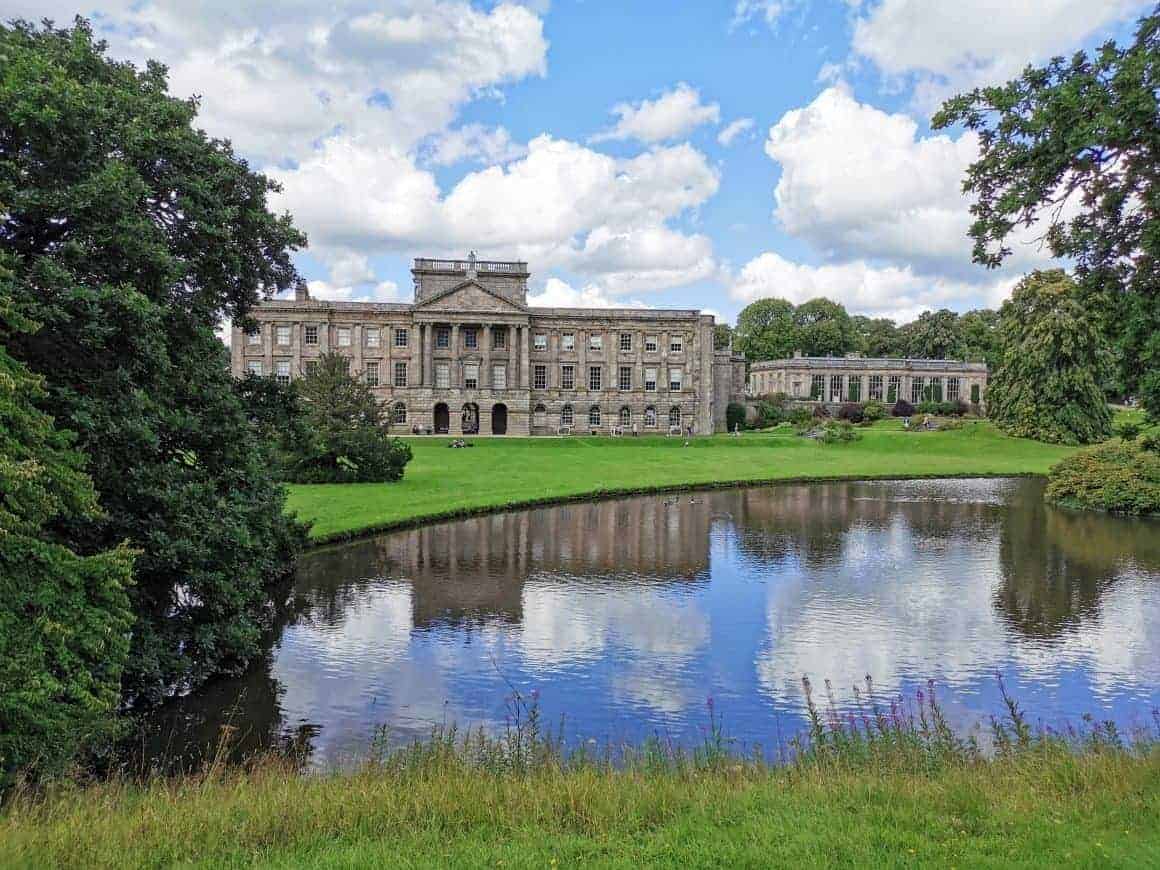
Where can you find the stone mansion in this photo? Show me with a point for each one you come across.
(469, 356)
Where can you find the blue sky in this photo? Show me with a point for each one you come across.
(692, 155)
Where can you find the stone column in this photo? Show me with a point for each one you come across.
(512, 374)
(356, 339)
(485, 337)
(456, 374)
(525, 355)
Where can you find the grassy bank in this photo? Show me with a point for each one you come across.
(503, 472)
(1042, 808)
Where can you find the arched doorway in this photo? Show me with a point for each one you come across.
(499, 419)
(469, 419)
(442, 419)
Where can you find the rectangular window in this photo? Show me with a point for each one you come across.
(676, 378)
(540, 378)
(650, 344)
(442, 337)
(854, 389)
(312, 335)
(835, 388)
(567, 377)
(650, 380)
(540, 341)
(676, 344)
(936, 391)
(567, 341)
(282, 371)
(470, 339)
(596, 341)
(372, 337)
(402, 336)
(254, 367)
(499, 377)
(626, 341)
(282, 334)
(625, 378)
(311, 366)
(876, 387)
(499, 338)
(471, 376)
(915, 390)
(372, 374)
(344, 336)
(976, 393)
(254, 336)
(893, 388)
(443, 375)
(952, 389)
(594, 377)
(797, 389)
(400, 374)
(818, 387)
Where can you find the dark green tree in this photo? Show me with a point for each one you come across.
(878, 336)
(824, 328)
(131, 235)
(934, 335)
(1047, 383)
(1084, 132)
(64, 618)
(979, 330)
(722, 335)
(765, 330)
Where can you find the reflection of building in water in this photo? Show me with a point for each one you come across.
(474, 570)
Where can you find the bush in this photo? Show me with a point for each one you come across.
(958, 408)
(902, 408)
(838, 432)
(769, 413)
(734, 416)
(1129, 430)
(929, 407)
(873, 410)
(801, 417)
(1118, 477)
(365, 454)
(1151, 441)
(851, 411)
(821, 412)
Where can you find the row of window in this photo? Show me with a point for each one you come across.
(623, 417)
(372, 336)
(370, 371)
(596, 342)
(596, 377)
(883, 389)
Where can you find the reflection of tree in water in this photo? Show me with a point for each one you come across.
(1057, 565)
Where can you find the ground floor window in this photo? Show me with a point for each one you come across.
(625, 416)
(399, 414)
(650, 417)
(936, 391)
(539, 415)
(893, 388)
(915, 390)
(818, 387)
(876, 387)
(566, 415)
(835, 388)
(675, 416)
(594, 416)
(952, 389)
(975, 393)
(797, 389)
(854, 391)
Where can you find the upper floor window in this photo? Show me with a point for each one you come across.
(626, 341)
(311, 335)
(567, 341)
(400, 374)
(442, 336)
(596, 341)
(402, 336)
(540, 341)
(499, 338)
(540, 378)
(254, 367)
(650, 343)
(676, 379)
(625, 378)
(594, 373)
(676, 343)
(344, 336)
(443, 375)
(254, 336)
(567, 377)
(372, 374)
(650, 380)
(372, 336)
(470, 339)
(499, 377)
(471, 376)
(282, 334)
(282, 371)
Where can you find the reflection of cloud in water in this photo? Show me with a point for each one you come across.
(650, 634)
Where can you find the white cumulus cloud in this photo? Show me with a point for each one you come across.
(670, 116)
(734, 129)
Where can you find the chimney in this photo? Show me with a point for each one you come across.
(301, 292)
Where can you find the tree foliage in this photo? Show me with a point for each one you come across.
(879, 336)
(1075, 146)
(131, 234)
(1047, 383)
(824, 328)
(766, 330)
(934, 335)
(64, 618)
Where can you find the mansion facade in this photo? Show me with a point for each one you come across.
(856, 379)
(469, 356)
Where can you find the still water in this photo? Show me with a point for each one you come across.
(626, 615)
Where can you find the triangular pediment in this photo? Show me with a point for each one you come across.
(470, 296)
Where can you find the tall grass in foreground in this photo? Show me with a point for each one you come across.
(878, 784)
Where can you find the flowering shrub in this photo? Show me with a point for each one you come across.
(851, 411)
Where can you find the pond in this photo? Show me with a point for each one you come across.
(627, 615)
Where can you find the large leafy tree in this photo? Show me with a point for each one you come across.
(1075, 147)
(824, 328)
(878, 336)
(980, 336)
(934, 335)
(64, 618)
(131, 234)
(766, 330)
(1047, 383)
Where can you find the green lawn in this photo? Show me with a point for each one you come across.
(1092, 810)
(501, 472)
